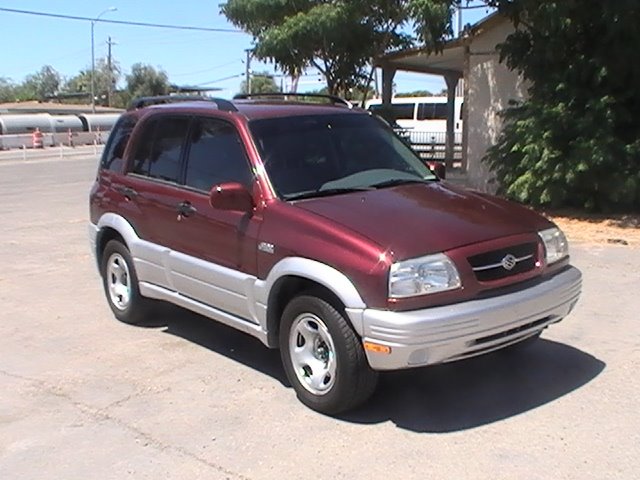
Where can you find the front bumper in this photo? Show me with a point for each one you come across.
(453, 332)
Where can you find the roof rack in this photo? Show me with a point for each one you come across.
(142, 102)
(333, 98)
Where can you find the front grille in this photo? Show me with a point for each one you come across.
(490, 266)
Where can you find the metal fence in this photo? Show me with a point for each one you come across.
(432, 145)
(25, 141)
(50, 153)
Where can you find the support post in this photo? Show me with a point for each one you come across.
(452, 83)
(387, 84)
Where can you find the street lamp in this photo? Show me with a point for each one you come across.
(93, 58)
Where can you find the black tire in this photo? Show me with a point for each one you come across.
(345, 384)
(117, 268)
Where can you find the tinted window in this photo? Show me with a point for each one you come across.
(321, 152)
(432, 111)
(401, 111)
(113, 156)
(159, 153)
(216, 155)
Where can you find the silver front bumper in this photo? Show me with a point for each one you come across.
(444, 334)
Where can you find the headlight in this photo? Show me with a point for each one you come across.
(420, 276)
(555, 244)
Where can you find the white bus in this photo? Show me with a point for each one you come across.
(424, 119)
(427, 114)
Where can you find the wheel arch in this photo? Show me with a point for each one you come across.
(293, 276)
(113, 227)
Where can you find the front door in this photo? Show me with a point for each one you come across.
(215, 250)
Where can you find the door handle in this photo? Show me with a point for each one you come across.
(128, 192)
(185, 209)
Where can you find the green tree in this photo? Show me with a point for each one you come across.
(260, 83)
(37, 86)
(7, 90)
(576, 140)
(417, 93)
(145, 80)
(338, 37)
(103, 78)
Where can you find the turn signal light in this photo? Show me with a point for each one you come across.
(377, 348)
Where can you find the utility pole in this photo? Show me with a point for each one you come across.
(93, 57)
(247, 74)
(109, 72)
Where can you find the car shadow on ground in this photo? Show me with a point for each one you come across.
(220, 339)
(437, 399)
(475, 392)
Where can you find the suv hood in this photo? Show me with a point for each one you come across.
(419, 219)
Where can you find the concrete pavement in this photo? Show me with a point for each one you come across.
(83, 396)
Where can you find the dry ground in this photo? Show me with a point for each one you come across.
(598, 228)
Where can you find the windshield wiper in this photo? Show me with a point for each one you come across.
(325, 193)
(400, 181)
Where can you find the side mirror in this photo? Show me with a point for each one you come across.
(231, 196)
(438, 168)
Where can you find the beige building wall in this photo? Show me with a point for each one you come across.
(490, 87)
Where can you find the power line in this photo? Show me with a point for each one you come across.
(120, 22)
(220, 80)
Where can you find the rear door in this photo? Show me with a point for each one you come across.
(150, 189)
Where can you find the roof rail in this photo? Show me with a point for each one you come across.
(141, 102)
(333, 98)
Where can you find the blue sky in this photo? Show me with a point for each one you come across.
(188, 57)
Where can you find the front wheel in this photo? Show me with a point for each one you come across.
(323, 357)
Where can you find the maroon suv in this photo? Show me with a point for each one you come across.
(315, 229)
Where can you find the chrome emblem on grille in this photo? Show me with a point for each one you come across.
(509, 262)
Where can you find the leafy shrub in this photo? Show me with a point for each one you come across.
(576, 140)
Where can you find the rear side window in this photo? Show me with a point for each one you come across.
(401, 111)
(215, 156)
(159, 153)
(113, 156)
(432, 111)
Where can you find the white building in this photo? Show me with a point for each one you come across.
(489, 86)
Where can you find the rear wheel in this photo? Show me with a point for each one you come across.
(323, 357)
(121, 284)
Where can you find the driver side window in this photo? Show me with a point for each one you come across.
(216, 155)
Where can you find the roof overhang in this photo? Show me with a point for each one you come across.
(448, 61)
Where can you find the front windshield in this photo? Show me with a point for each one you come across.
(328, 154)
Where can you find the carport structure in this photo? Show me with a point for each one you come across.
(449, 64)
(489, 87)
